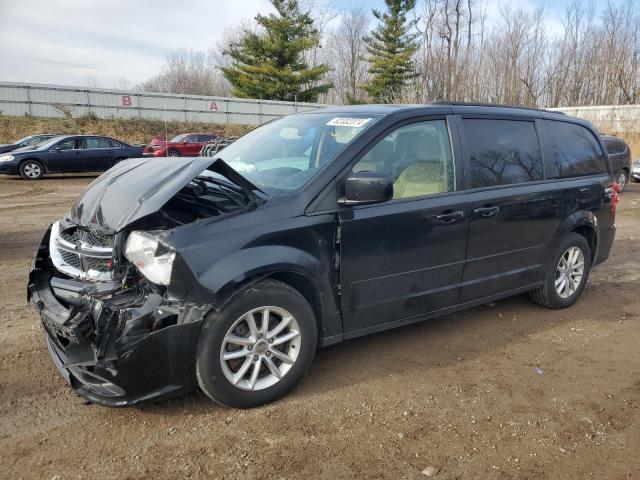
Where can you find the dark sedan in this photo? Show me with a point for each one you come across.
(29, 141)
(68, 154)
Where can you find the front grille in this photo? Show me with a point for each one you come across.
(99, 239)
(99, 264)
(73, 259)
(82, 253)
(71, 235)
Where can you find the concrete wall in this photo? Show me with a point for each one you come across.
(54, 100)
(609, 118)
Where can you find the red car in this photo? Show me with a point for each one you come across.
(185, 145)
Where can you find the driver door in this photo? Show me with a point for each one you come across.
(403, 259)
(65, 157)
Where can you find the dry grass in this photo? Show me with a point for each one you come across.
(133, 130)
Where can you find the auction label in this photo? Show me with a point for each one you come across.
(347, 122)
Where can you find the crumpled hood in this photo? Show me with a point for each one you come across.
(136, 188)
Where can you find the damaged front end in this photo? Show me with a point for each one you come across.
(113, 330)
(115, 341)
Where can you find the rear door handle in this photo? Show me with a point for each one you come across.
(486, 211)
(449, 217)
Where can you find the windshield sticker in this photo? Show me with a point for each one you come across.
(347, 122)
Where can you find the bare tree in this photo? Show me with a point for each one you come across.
(188, 72)
(345, 53)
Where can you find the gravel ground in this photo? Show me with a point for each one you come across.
(510, 391)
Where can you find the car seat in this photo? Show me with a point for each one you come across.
(419, 167)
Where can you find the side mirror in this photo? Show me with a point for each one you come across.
(364, 188)
(184, 142)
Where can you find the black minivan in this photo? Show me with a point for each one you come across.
(229, 272)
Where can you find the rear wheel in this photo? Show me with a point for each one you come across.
(173, 153)
(31, 170)
(622, 180)
(566, 274)
(258, 347)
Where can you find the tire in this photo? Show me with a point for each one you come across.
(548, 295)
(622, 180)
(31, 170)
(173, 153)
(222, 330)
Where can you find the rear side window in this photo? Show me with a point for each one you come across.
(95, 142)
(575, 151)
(502, 152)
(614, 147)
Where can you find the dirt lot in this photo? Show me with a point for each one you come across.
(458, 393)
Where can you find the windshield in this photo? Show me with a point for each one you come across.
(178, 138)
(22, 140)
(46, 144)
(283, 156)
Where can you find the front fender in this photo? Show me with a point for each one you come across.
(216, 284)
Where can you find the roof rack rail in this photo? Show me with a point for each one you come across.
(497, 105)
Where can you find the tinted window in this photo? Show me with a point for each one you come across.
(614, 147)
(417, 157)
(68, 145)
(95, 142)
(575, 151)
(502, 152)
(115, 144)
(205, 137)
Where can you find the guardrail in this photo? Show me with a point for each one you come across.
(42, 100)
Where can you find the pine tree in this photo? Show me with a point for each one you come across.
(270, 64)
(391, 47)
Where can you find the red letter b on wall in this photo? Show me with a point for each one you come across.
(126, 100)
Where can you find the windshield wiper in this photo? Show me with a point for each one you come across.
(223, 168)
(223, 190)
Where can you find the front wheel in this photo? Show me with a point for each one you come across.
(566, 274)
(258, 347)
(31, 170)
(173, 153)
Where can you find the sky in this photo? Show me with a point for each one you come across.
(113, 43)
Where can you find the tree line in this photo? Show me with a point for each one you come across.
(414, 51)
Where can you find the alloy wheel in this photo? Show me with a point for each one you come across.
(32, 170)
(622, 180)
(569, 272)
(260, 348)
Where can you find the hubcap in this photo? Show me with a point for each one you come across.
(622, 179)
(569, 272)
(32, 170)
(173, 154)
(260, 348)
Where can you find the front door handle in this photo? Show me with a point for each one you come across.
(486, 211)
(449, 217)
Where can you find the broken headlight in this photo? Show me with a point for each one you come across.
(152, 259)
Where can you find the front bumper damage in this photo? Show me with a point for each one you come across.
(115, 345)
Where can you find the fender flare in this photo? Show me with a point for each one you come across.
(581, 218)
(217, 284)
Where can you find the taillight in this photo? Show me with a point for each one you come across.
(615, 198)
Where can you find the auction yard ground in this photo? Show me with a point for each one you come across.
(510, 391)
